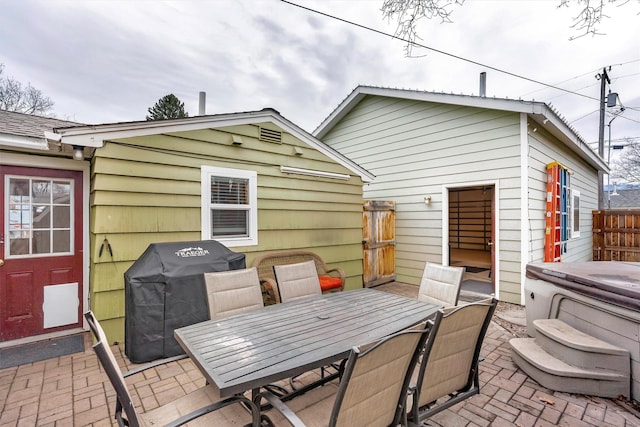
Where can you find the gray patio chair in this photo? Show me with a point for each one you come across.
(448, 371)
(181, 411)
(372, 391)
(440, 284)
(297, 280)
(232, 292)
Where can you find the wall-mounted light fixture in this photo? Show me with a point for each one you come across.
(78, 152)
(319, 174)
(427, 200)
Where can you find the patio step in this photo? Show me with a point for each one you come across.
(562, 358)
(579, 349)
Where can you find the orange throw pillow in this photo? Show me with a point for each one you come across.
(328, 282)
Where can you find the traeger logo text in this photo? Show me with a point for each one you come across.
(187, 252)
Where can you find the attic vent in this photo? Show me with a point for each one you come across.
(270, 135)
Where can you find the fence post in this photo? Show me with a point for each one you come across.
(598, 235)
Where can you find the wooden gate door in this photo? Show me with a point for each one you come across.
(40, 251)
(379, 242)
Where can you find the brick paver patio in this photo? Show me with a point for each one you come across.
(73, 391)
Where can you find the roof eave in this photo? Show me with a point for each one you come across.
(360, 92)
(551, 122)
(555, 124)
(95, 135)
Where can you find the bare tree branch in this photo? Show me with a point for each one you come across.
(23, 99)
(628, 165)
(408, 13)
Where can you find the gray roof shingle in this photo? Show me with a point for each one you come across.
(626, 198)
(28, 125)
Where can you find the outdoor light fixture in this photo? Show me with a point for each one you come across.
(78, 152)
(427, 199)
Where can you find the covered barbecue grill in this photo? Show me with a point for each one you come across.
(164, 290)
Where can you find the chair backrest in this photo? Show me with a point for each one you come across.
(296, 281)
(376, 378)
(232, 292)
(110, 365)
(450, 360)
(440, 284)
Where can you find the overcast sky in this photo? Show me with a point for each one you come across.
(108, 61)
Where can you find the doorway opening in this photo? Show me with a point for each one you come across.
(471, 236)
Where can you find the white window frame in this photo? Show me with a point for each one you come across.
(206, 172)
(573, 196)
(7, 227)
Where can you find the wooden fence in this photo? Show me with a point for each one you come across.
(616, 235)
(379, 242)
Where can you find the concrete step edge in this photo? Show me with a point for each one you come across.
(530, 351)
(568, 336)
(589, 386)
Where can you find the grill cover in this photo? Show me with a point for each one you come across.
(164, 290)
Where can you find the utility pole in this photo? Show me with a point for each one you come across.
(604, 79)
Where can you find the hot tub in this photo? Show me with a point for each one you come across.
(599, 298)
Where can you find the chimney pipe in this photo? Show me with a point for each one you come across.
(202, 106)
(483, 84)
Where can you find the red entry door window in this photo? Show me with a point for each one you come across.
(41, 251)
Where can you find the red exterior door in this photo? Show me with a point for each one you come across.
(40, 251)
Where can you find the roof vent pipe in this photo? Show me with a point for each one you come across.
(202, 104)
(483, 84)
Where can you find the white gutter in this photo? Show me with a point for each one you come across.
(15, 141)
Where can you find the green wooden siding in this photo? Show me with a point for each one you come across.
(147, 189)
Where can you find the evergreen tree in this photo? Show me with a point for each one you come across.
(167, 107)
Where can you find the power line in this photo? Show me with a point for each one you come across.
(436, 50)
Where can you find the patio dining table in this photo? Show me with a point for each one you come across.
(253, 349)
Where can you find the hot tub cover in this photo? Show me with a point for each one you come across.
(164, 290)
(611, 281)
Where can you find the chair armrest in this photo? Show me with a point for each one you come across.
(153, 364)
(340, 273)
(255, 412)
(279, 406)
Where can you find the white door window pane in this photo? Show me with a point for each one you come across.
(39, 212)
(61, 217)
(61, 241)
(41, 242)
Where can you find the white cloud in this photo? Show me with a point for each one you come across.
(103, 61)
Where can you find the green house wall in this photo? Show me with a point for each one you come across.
(147, 189)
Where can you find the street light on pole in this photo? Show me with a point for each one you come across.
(612, 101)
